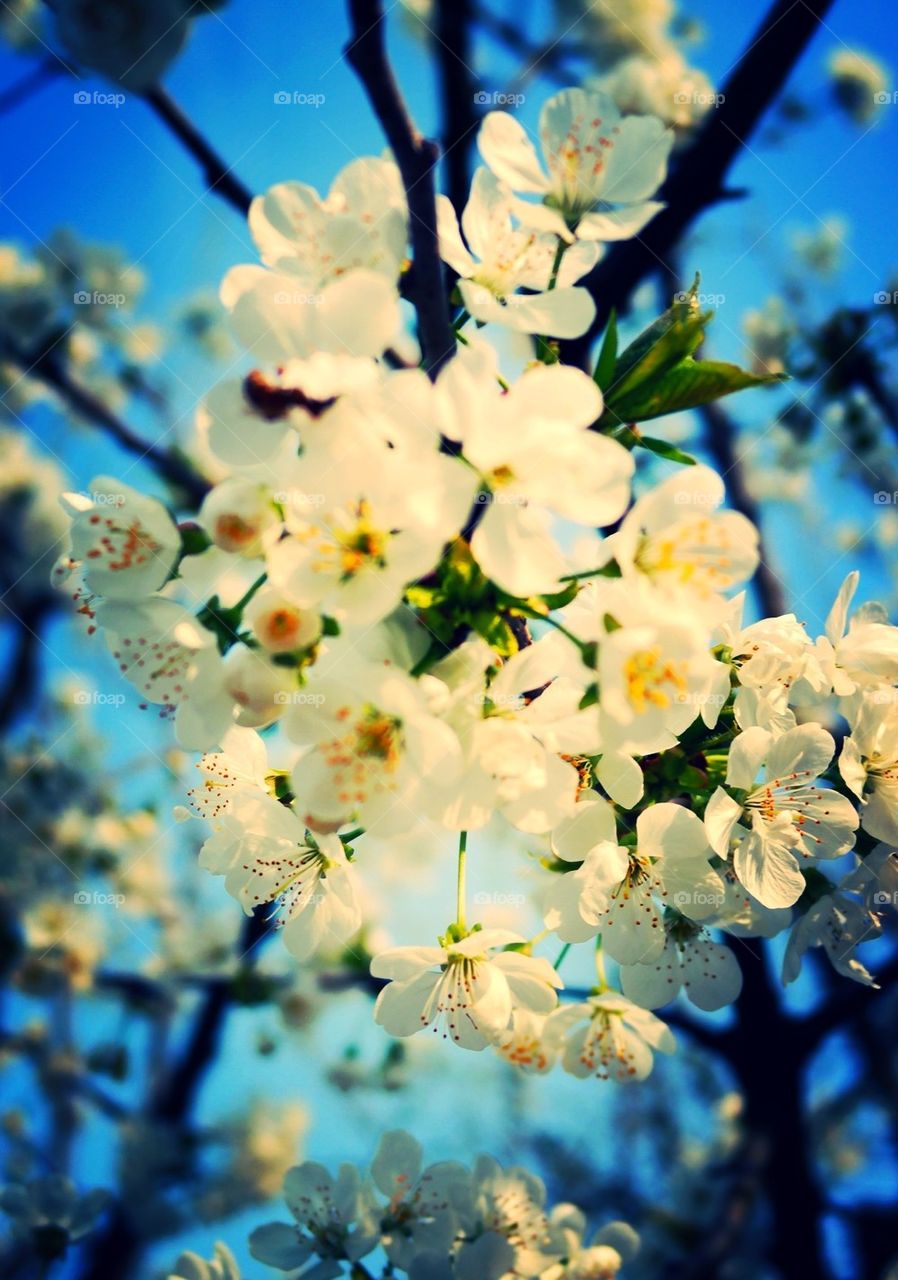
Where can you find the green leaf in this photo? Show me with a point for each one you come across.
(497, 632)
(634, 439)
(687, 385)
(604, 371)
(658, 374)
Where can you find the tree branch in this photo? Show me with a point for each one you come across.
(452, 50)
(720, 438)
(166, 462)
(416, 157)
(218, 176)
(697, 182)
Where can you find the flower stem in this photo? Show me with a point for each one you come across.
(460, 883)
(245, 599)
(556, 265)
(561, 956)
(600, 965)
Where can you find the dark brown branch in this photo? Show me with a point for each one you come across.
(218, 176)
(697, 182)
(167, 463)
(452, 51)
(417, 158)
(720, 438)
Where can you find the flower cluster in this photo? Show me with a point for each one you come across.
(361, 581)
(437, 1222)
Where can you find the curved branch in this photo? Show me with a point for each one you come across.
(416, 157)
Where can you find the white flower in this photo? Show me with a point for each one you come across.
(707, 972)
(223, 1266)
(258, 686)
(670, 862)
(242, 764)
(506, 258)
(423, 1203)
(373, 528)
(863, 651)
(236, 514)
(361, 223)
(530, 1043)
(785, 819)
(460, 989)
(127, 542)
(335, 1221)
(510, 759)
(536, 455)
(868, 763)
(374, 749)
(839, 924)
(173, 661)
(267, 855)
(278, 316)
(507, 1231)
(248, 420)
(573, 902)
(279, 625)
(602, 167)
(610, 1037)
(677, 537)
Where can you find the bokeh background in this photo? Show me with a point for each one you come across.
(113, 945)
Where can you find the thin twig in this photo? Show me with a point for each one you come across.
(167, 463)
(416, 157)
(219, 177)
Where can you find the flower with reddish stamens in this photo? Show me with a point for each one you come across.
(127, 543)
(461, 990)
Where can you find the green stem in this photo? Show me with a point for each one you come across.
(354, 834)
(244, 600)
(561, 956)
(556, 265)
(460, 882)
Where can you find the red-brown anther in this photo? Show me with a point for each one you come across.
(273, 402)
